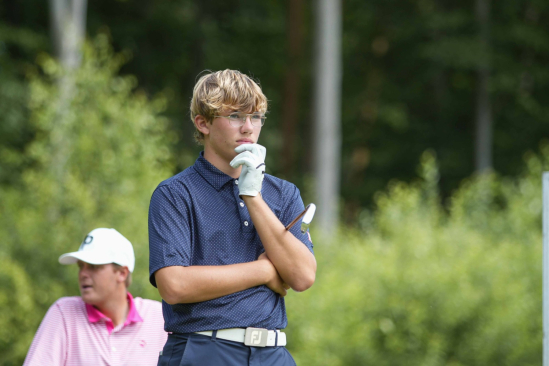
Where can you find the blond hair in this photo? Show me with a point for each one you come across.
(221, 90)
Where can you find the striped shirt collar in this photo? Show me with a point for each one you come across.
(94, 315)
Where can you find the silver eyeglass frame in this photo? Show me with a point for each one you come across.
(242, 119)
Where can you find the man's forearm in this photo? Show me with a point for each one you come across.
(180, 285)
(292, 259)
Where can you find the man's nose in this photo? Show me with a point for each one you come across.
(83, 272)
(247, 126)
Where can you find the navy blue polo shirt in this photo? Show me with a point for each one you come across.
(196, 218)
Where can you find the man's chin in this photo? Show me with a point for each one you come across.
(88, 298)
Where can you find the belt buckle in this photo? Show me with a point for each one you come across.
(256, 337)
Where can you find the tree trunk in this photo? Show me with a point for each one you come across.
(68, 27)
(290, 114)
(327, 108)
(483, 142)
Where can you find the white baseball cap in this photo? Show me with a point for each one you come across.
(103, 246)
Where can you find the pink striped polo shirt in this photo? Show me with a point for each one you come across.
(74, 333)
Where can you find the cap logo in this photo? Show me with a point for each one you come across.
(87, 240)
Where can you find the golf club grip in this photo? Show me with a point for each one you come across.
(296, 219)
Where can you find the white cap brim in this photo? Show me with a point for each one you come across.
(103, 246)
(84, 256)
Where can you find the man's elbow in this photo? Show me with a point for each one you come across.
(168, 295)
(171, 293)
(304, 283)
(169, 299)
(180, 295)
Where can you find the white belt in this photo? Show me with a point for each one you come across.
(254, 337)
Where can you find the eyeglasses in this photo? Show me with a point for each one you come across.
(237, 119)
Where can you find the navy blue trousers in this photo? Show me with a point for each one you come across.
(190, 349)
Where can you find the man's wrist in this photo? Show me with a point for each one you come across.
(267, 271)
(251, 199)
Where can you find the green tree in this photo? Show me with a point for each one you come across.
(115, 152)
(424, 284)
(409, 78)
(15, 129)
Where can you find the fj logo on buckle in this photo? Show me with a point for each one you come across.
(256, 337)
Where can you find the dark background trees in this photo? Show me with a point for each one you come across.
(410, 77)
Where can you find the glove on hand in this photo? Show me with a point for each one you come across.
(252, 159)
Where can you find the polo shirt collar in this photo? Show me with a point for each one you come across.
(94, 315)
(215, 177)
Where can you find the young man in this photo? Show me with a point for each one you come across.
(219, 251)
(105, 325)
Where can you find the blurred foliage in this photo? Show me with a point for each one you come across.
(409, 77)
(15, 129)
(410, 85)
(422, 283)
(172, 42)
(440, 271)
(93, 163)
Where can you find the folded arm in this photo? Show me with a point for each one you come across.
(182, 285)
(292, 259)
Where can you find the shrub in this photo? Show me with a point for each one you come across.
(99, 152)
(427, 284)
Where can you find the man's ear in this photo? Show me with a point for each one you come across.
(123, 273)
(202, 124)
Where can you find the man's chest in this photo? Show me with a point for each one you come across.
(222, 229)
(94, 346)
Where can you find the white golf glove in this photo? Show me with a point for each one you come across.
(252, 159)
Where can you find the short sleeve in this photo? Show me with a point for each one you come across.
(293, 206)
(169, 230)
(49, 346)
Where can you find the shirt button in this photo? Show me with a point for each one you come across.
(236, 182)
(113, 349)
(245, 223)
(241, 204)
